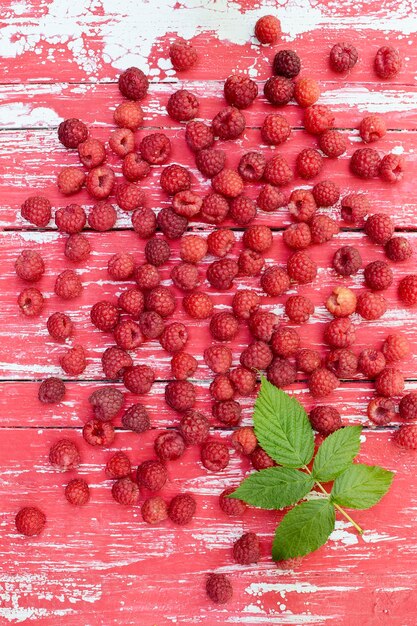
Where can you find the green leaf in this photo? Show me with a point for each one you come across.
(274, 488)
(282, 427)
(361, 486)
(336, 453)
(303, 529)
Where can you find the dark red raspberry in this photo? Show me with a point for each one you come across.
(37, 211)
(279, 90)
(406, 437)
(74, 362)
(371, 306)
(246, 550)
(128, 115)
(51, 390)
(77, 492)
(286, 63)
(306, 91)
(302, 205)
(218, 358)
(299, 309)
(169, 445)
(333, 143)
(147, 276)
(122, 142)
(182, 106)
(172, 225)
(347, 261)
(136, 418)
(70, 219)
(325, 419)
(270, 198)
(128, 335)
(322, 382)
(240, 91)
(251, 166)
(307, 360)
(408, 406)
(121, 266)
(210, 161)
(341, 302)
(371, 362)
(354, 208)
(214, 455)
(186, 203)
(133, 84)
(381, 411)
(151, 324)
(340, 333)
(258, 238)
(301, 268)
(29, 266)
(183, 55)
(68, 285)
(138, 378)
(365, 163)
(104, 315)
(106, 403)
(342, 362)
(228, 183)
(220, 274)
(261, 460)
(30, 302)
(372, 128)
(250, 263)
(132, 301)
(267, 31)
(398, 249)
(98, 433)
(242, 210)
(155, 148)
(297, 236)
(134, 167)
(64, 455)
(275, 281)
(72, 132)
(157, 251)
(343, 56)
(152, 474)
(174, 337)
(77, 248)
(180, 395)
(100, 182)
(224, 326)
(281, 372)
(390, 382)
(243, 380)
(185, 276)
(118, 466)
(198, 136)
(221, 388)
(228, 412)
(125, 491)
(285, 341)
(229, 123)
(215, 208)
(245, 302)
(182, 508)
(231, 506)
(407, 290)
(102, 217)
(275, 130)
(387, 62)
(395, 347)
(392, 168)
(114, 361)
(309, 163)
(194, 427)
(318, 118)
(30, 521)
(244, 440)
(257, 355)
(220, 242)
(70, 180)
(326, 193)
(129, 196)
(323, 228)
(262, 324)
(378, 275)
(198, 305)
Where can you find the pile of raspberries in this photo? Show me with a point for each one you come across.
(145, 308)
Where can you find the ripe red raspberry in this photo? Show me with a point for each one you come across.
(365, 163)
(214, 455)
(198, 305)
(169, 445)
(231, 506)
(51, 390)
(64, 455)
(100, 182)
(354, 208)
(73, 362)
(187, 203)
(407, 290)
(285, 341)
(104, 315)
(279, 90)
(31, 302)
(371, 362)
(302, 205)
(242, 210)
(343, 56)
(398, 249)
(408, 406)
(171, 224)
(220, 242)
(229, 123)
(307, 360)
(325, 419)
(275, 130)
(299, 309)
(281, 372)
(297, 236)
(118, 466)
(30, 521)
(128, 335)
(185, 276)
(246, 550)
(277, 171)
(198, 136)
(250, 263)
(340, 333)
(155, 148)
(210, 161)
(245, 302)
(157, 251)
(122, 142)
(37, 211)
(381, 411)
(194, 427)
(342, 362)
(240, 91)
(390, 382)
(125, 491)
(270, 198)
(251, 166)
(326, 193)
(136, 418)
(147, 276)
(68, 285)
(151, 324)
(243, 380)
(29, 266)
(180, 395)
(395, 347)
(372, 128)
(182, 508)
(154, 510)
(267, 31)
(106, 403)
(306, 91)
(153, 474)
(114, 361)
(227, 412)
(227, 183)
(72, 132)
(98, 433)
(323, 228)
(77, 492)
(286, 63)
(70, 180)
(392, 167)
(322, 382)
(275, 281)
(257, 355)
(214, 208)
(244, 440)
(219, 588)
(371, 306)
(347, 261)
(132, 301)
(121, 266)
(387, 62)
(135, 168)
(59, 326)
(77, 248)
(221, 388)
(309, 163)
(318, 118)
(406, 437)
(182, 106)
(378, 275)
(220, 274)
(102, 217)
(174, 337)
(224, 326)
(139, 378)
(218, 358)
(258, 238)
(133, 84)
(183, 55)
(333, 143)
(128, 115)
(262, 324)
(301, 268)
(129, 196)
(261, 460)
(70, 219)
(341, 302)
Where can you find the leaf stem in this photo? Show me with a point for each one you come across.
(339, 508)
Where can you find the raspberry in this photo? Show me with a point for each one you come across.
(258, 238)
(281, 372)
(214, 208)
(59, 326)
(100, 182)
(332, 143)
(157, 251)
(122, 142)
(231, 506)
(371, 362)
(408, 406)
(245, 302)
(183, 55)
(31, 302)
(243, 380)
(340, 333)
(128, 335)
(301, 268)
(392, 168)
(198, 136)
(323, 228)
(261, 460)
(135, 168)
(171, 224)
(395, 347)
(297, 236)
(250, 263)
(151, 324)
(322, 382)
(275, 130)
(221, 388)
(77, 492)
(288, 565)
(378, 275)
(139, 378)
(262, 324)
(185, 276)
(387, 62)
(104, 315)
(70, 180)
(299, 309)
(246, 550)
(128, 115)
(406, 437)
(257, 355)
(136, 418)
(218, 358)
(220, 242)
(121, 266)
(220, 274)
(325, 419)
(174, 337)
(147, 276)
(180, 395)
(129, 196)
(371, 306)
(244, 440)
(106, 403)
(251, 166)
(169, 446)
(326, 193)
(302, 205)
(51, 390)
(182, 106)
(132, 301)
(372, 128)
(309, 163)
(342, 362)
(381, 411)
(133, 84)
(210, 161)
(102, 217)
(307, 360)
(287, 63)
(68, 285)
(227, 183)
(70, 219)
(30, 521)
(98, 433)
(242, 210)
(73, 362)
(347, 261)
(154, 510)
(365, 163)
(306, 92)
(285, 341)
(341, 302)
(37, 211)
(275, 281)
(64, 455)
(398, 249)
(267, 31)
(240, 91)
(125, 491)
(390, 382)
(72, 132)
(198, 305)
(155, 148)
(77, 248)
(114, 361)
(354, 208)
(343, 56)
(407, 290)
(29, 266)
(229, 123)
(279, 90)
(182, 508)
(317, 119)
(224, 326)
(187, 203)
(118, 466)
(194, 427)
(270, 198)
(214, 455)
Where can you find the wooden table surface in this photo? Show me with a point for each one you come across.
(101, 565)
